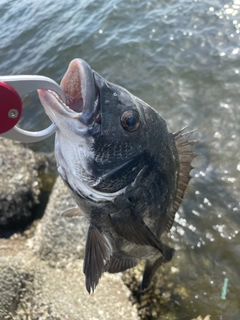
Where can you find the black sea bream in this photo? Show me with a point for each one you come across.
(125, 169)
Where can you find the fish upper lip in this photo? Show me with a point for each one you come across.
(82, 95)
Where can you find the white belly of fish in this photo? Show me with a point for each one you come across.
(72, 161)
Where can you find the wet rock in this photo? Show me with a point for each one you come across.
(31, 289)
(169, 295)
(19, 187)
(47, 171)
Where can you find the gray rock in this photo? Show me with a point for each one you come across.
(42, 278)
(19, 186)
(31, 289)
(58, 239)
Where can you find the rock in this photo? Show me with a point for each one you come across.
(19, 188)
(58, 245)
(58, 239)
(176, 291)
(31, 289)
(42, 278)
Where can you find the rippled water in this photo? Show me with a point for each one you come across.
(183, 58)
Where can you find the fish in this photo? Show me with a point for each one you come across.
(123, 166)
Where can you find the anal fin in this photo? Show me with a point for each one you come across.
(133, 229)
(97, 254)
(120, 261)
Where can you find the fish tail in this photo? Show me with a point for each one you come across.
(150, 270)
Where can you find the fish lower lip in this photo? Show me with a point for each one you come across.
(59, 99)
(69, 107)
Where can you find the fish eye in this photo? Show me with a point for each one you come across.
(130, 120)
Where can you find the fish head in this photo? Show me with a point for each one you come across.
(128, 135)
(120, 132)
(105, 135)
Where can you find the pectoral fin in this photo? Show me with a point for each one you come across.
(120, 261)
(134, 229)
(97, 254)
(71, 212)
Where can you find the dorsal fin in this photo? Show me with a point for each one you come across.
(185, 156)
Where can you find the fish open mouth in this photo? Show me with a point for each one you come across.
(82, 95)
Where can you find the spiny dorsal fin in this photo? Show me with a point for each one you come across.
(185, 156)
